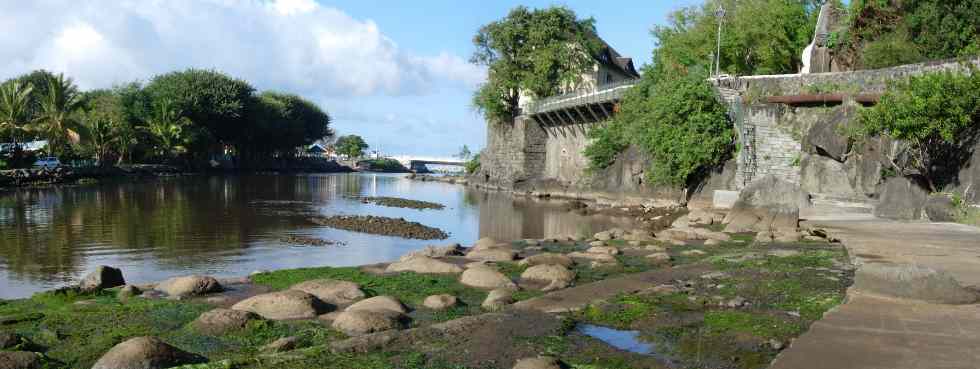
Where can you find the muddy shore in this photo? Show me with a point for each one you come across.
(381, 226)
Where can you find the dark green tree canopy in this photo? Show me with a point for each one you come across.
(534, 51)
(352, 146)
(208, 98)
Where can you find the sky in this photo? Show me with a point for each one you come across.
(394, 72)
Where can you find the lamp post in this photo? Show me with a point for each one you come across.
(720, 14)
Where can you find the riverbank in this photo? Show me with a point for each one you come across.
(696, 294)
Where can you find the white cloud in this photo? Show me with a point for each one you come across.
(295, 45)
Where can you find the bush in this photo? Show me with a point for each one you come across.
(937, 115)
(473, 164)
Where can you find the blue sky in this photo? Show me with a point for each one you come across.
(393, 72)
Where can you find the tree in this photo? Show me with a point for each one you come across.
(464, 153)
(167, 127)
(937, 115)
(58, 123)
(14, 108)
(352, 146)
(102, 118)
(39, 80)
(531, 51)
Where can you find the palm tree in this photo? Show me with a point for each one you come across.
(58, 122)
(167, 127)
(14, 104)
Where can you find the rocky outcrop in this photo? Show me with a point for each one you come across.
(220, 321)
(332, 291)
(765, 205)
(940, 208)
(101, 278)
(901, 198)
(378, 303)
(827, 137)
(20, 360)
(424, 265)
(361, 322)
(145, 353)
(440, 302)
(913, 282)
(194, 285)
(820, 174)
(284, 305)
(556, 276)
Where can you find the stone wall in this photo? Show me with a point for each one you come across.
(514, 154)
(564, 158)
(768, 146)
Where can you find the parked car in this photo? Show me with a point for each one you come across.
(47, 162)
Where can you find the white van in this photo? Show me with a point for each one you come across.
(47, 163)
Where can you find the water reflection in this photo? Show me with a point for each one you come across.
(231, 225)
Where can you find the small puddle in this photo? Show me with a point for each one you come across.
(623, 340)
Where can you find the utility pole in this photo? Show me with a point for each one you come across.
(720, 14)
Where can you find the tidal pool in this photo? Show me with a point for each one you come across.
(623, 340)
(233, 225)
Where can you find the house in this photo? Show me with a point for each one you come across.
(609, 68)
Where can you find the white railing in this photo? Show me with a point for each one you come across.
(600, 94)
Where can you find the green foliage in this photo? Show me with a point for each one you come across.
(473, 164)
(606, 142)
(531, 51)
(758, 37)
(57, 122)
(937, 114)
(884, 33)
(352, 146)
(14, 108)
(208, 98)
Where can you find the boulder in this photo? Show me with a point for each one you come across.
(361, 322)
(602, 258)
(20, 360)
(485, 277)
(819, 174)
(556, 276)
(498, 298)
(603, 250)
(765, 205)
(940, 208)
(681, 222)
(901, 199)
(425, 265)
(284, 305)
(597, 243)
(332, 291)
(436, 251)
(678, 234)
(547, 258)
(659, 257)
(700, 216)
(912, 282)
(603, 236)
(145, 353)
(540, 362)
(9, 340)
(220, 321)
(128, 291)
(485, 243)
(787, 236)
(282, 345)
(193, 285)
(376, 303)
(825, 137)
(492, 254)
(101, 278)
(440, 302)
(617, 232)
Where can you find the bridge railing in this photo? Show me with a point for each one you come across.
(602, 93)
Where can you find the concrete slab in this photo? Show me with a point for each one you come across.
(724, 199)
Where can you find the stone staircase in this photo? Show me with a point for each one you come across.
(830, 206)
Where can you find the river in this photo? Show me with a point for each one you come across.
(233, 225)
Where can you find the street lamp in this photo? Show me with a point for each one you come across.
(720, 14)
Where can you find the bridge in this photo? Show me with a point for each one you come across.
(584, 106)
(421, 166)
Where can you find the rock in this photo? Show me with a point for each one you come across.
(331, 291)
(603, 236)
(912, 282)
(597, 243)
(484, 243)
(436, 251)
(665, 289)
(694, 252)
(617, 232)
(659, 257)
(603, 250)
(764, 237)
(282, 345)
(940, 208)
(329, 317)
(547, 258)
(498, 298)
(361, 322)
(714, 275)
(540, 362)
(602, 258)
(655, 248)
(9, 340)
(776, 344)
(376, 303)
(128, 291)
(492, 254)
(678, 243)
(712, 243)
(901, 199)
(532, 242)
(677, 234)
(819, 174)
(220, 321)
(814, 238)
(145, 353)
(787, 236)
(424, 265)
(767, 204)
(706, 234)
(440, 302)
(736, 302)
(485, 277)
(101, 278)
(284, 305)
(556, 276)
(193, 285)
(682, 222)
(20, 360)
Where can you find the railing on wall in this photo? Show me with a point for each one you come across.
(600, 94)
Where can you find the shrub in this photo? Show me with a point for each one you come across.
(473, 164)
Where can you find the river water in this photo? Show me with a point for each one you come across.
(232, 225)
